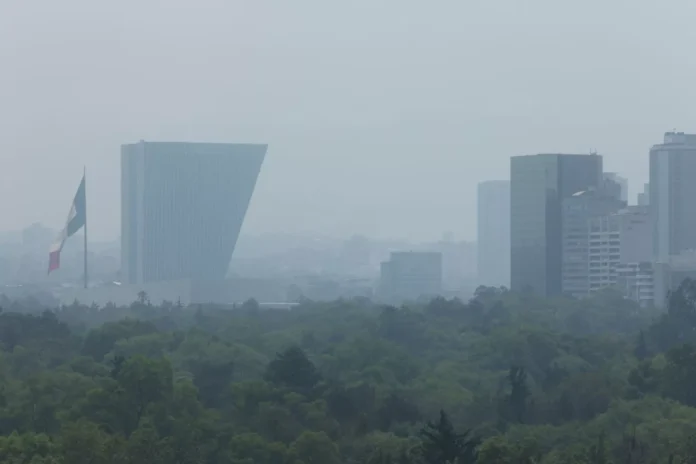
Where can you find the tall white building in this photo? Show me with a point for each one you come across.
(673, 194)
(636, 282)
(578, 212)
(617, 239)
(182, 207)
(493, 264)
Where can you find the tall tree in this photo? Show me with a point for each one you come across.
(441, 444)
(641, 349)
(598, 452)
(519, 392)
(292, 368)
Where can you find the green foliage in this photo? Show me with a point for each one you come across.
(442, 445)
(293, 370)
(522, 380)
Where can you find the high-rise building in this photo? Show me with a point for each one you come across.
(578, 211)
(622, 183)
(182, 207)
(538, 185)
(618, 239)
(672, 194)
(494, 233)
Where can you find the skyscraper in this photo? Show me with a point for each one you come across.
(621, 181)
(673, 194)
(494, 233)
(538, 185)
(616, 241)
(578, 212)
(182, 207)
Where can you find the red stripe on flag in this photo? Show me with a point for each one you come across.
(53, 261)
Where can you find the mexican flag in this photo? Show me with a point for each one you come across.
(76, 220)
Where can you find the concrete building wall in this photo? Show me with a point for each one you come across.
(635, 229)
(615, 239)
(579, 211)
(636, 282)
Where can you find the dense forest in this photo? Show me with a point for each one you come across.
(503, 378)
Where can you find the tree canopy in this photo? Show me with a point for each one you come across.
(502, 378)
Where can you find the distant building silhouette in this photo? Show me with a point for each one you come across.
(182, 207)
(538, 185)
(493, 262)
(644, 196)
(411, 275)
(622, 182)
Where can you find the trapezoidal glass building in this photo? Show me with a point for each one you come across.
(182, 207)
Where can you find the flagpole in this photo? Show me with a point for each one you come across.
(84, 176)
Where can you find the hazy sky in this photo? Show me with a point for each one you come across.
(381, 116)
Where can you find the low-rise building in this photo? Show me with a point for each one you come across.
(411, 275)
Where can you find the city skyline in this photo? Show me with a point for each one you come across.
(570, 231)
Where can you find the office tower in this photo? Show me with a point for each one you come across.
(410, 275)
(621, 181)
(538, 185)
(644, 196)
(494, 233)
(578, 211)
(182, 207)
(616, 240)
(672, 195)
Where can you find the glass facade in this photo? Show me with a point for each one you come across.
(183, 205)
(538, 185)
(672, 192)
